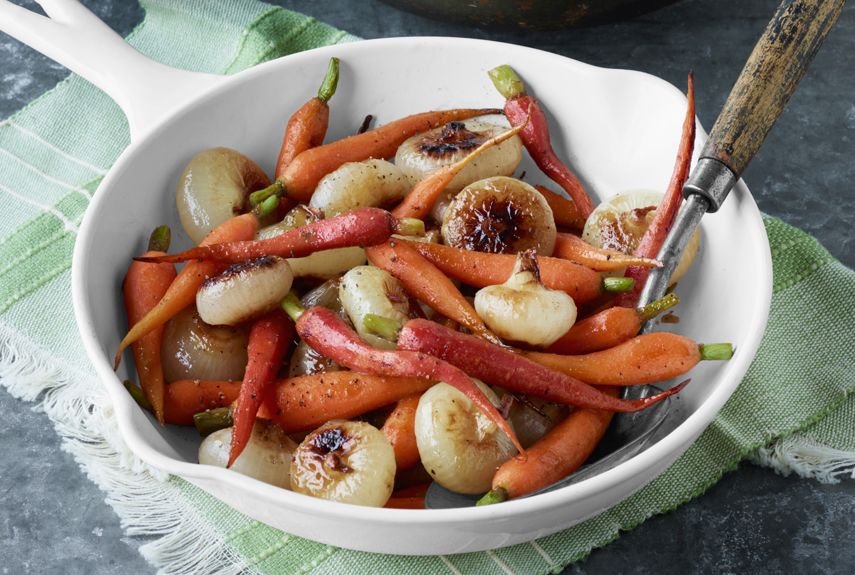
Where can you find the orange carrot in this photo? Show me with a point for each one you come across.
(418, 203)
(269, 339)
(553, 457)
(654, 237)
(428, 284)
(182, 291)
(304, 172)
(480, 269)
(186, 397)
(307, 401)
(646, 358)
(400, 430)
(564, 211)
(307, 126)
(575, 249)
(143, 287)
(609, 327)
(408, 498)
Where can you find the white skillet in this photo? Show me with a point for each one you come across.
(618, 128)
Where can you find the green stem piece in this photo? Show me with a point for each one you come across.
(497, 495)
(410, 227)
(137, 394)
(716, 351)
(328, 86)
(506, 81)
(384, 327)
(276, 189)
(292, 306)
(160, 239)
(654, 308)
(207, 422)
(266, 207)
(618, 285)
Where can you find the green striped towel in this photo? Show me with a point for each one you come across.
(794, 415)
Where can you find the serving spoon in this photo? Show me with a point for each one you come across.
(770, 77)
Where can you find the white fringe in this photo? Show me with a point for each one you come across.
(806, 458)
(147, 504)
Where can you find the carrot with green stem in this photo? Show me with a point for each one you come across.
(609, 327)
(307, 127)
(187, 397)
(428, 284)
(504, 367)
(564, 211)
(652, 240)
(643, 359)
(575, 249)
(182, 291)
(480, 269)
(269, 339)
(553, 457)
(145, 285)
(535, 136)
(359, 227)
(300, 178)
(400, 429)
(418, 203)
(327, 334)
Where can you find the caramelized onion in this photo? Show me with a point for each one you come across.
(192, 349)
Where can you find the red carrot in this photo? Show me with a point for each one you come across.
(144, 286)
(327, 334)
(500, 366)
(654, 237)
(535, 136)
(360, 227)
(269, 339)
(307, 126)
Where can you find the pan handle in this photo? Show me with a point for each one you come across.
(147, 91)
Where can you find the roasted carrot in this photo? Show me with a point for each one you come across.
(359, 227)
(654, 237)
(564, 211)
(300, 178)
(480, 269)
(307, 401)
(182, 291)
(553, 457)
(609, 327)
(327, 334)
(575, 249)
(535, 136)
(144, 286)
(501, 366)
(428, 284)
(400, 430)
(418, 203)
(408, 498)
(269, 339)
(187, 397)
(643, 359)
(307, 127)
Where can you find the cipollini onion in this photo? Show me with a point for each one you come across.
(371, 183)
(459, 446)
(266, 457)
(369, 290)
(345, 461)
(522, 309)
(192, 349)
(244, 291)
(214, 187)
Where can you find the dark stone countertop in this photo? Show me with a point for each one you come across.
(53, 520)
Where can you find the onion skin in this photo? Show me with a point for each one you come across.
(192, 349)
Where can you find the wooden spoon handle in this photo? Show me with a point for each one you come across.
(769, 78)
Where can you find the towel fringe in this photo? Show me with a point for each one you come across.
(147, 502)
(806, 458)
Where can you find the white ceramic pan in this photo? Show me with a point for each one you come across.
(618, 128)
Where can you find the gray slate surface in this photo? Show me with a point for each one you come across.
(53, 520)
